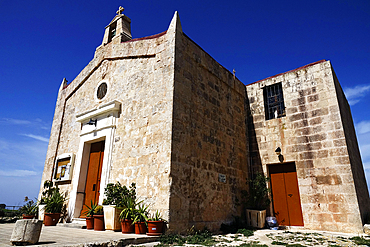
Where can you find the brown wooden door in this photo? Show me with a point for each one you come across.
(94, 174)
(285, 194)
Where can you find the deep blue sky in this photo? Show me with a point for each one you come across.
(41, 42)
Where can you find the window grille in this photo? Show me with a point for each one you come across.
(274, 101)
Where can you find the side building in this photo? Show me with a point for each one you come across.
(160, 112)
(317, 180)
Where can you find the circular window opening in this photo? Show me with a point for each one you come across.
(102, 90)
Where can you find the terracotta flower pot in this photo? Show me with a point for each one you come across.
(140, 228)
(27, 217)
(127, 226)
(90, 223)
(155, 228)
(99, 223)
(51, 219)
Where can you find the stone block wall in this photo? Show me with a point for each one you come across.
(139, 74)
(314, 136)
(353, 152)
(208, 141)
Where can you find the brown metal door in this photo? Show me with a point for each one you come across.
(94, 174)
(285, 193)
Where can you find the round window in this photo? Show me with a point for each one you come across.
(102, 90)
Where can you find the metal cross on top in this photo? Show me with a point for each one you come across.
(120, 10)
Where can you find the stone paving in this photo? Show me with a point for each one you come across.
(77, 237)
(66, 236)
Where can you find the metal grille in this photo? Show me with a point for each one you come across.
(274, 101)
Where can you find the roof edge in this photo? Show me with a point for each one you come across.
(147, 37)
(305, 66)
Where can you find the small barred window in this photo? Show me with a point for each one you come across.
(274, 101)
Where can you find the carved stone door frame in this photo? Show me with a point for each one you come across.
(103, 129)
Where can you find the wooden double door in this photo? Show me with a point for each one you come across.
(285, 194)
(93, 178)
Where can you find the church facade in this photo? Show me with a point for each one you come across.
(162, 113)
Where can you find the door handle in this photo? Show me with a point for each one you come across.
(94, 185)
(290, 195)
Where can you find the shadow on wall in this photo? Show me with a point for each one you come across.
(255, 162)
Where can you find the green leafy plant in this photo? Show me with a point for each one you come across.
(141, 213)
(30, 208)
(48, 191)
(257, 197)
(116, 194)
(55, 203)
(90, 210)
(128, 209)
(156, 217)
(99, 210)
(193, 237)
(361, 241)
(246, 232)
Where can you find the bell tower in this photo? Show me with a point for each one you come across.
(119, 29)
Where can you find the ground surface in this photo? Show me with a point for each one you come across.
(65, 236)
(282, 238)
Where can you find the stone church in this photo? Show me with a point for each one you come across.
(162, 113)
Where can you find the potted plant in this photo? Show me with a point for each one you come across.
(53, 207)
(99, 219)
(155, 225)
(29, 210)
(127, 215)
(115, 194)
(140, 218)
(257, 200)
(46, 193)
(89, 213)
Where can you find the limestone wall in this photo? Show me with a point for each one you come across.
(139, 75)
(311, 135)
(208, 141)
(353, 152)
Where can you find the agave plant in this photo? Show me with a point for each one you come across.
(141, 213)
(90, 211)
(30, 208)
(55, 203)
(129, 208)
(156, 217)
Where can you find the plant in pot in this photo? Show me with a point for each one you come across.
(46, 193)
(127, 215)
(115, 194)
(140, 218)
(99, 219)
(89, 213)
(155, 224)
(53, 207)
(257, 200)
(29, 210)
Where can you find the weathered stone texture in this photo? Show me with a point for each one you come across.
(142, 143)
(26, 232)
(188, 132)
(313, 134)
(209, 138)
